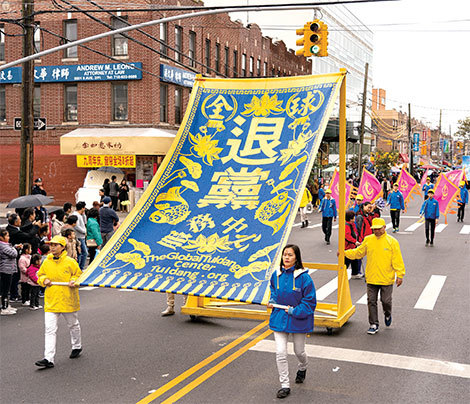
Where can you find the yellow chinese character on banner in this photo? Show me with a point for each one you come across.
(200, 222)
(238, 189)
(216, 118)
(174, 239)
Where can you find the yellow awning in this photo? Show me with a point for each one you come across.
(138, 141)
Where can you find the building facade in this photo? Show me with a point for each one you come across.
(119, 101)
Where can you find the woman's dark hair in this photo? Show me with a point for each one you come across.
(35, 259)
(298, 257)
(59, 215)
(350, 215)
(106, 181)
(44, 229)
(93, 212)
(27, 214)
(25, 247)
(44, 248)
(12, 218)
(80, 205)
(3, 233)
(72, 219)
(67, 206)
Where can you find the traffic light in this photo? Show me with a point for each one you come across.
(315, 39)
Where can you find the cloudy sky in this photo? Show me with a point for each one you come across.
(421, 51)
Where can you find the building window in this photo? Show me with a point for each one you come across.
(192, 48)
(258, 67)
(37, 102)
(226, 61)
(235, 63)
(70, 34)
(163, 103)
(178, 104)
(120, 106)
(265, 69)
(208, 56)
(164, 38)
(217, 57)
(243, 65)
(119, 42)
(3, 105)
(71, 108)
(37, 38)
(2, 43)
(178, 43)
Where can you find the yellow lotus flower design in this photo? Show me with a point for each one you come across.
(294, 148)
(190, 184)
(208, 244)
(140, 246)
(291, 167)
(249, 269)
(205, 148)
(264, 106)
(193, 167)
(132, 258)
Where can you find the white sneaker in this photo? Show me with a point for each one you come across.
(12, 309)
(7, 312)
(39, 307)
(34, 308)
(27, 303)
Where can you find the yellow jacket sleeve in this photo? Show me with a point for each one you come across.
(397, 260)
(357, 253)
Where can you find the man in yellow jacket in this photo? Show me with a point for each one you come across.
(384, 263)
(60, 299)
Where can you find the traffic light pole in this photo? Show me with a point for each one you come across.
(27, 119)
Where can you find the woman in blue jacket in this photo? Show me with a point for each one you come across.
(291, 286)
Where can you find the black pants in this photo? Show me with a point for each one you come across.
(25, 291)
(355, 265)
(34, 301)
(395, 214)
(114, 200)
(461, 211)
(5, 283)
(14, 285)
(326, 227)
(91, 254)
(430, 224)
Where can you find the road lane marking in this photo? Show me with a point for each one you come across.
(314, 225)
(414, 226)
(388, 226)
(329, 288)
(440, 227)
(157, 393)
(375, 358)
(431, 292)
(405, 217)
(89, 287)
(185, 390)
(363, 299)
(465, 229)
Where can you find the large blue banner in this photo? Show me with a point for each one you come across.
(217, 214)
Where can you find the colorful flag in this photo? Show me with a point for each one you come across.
(369, 187)
(334, 186)
(466, 166)
(406, 184)
(444, 193)
(423, 179)
(216, 216)
(454, 176)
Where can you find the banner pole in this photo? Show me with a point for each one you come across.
(342, 169)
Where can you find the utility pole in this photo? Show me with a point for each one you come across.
(27, 119)
(439, 145)
(451, 147)
(410, 140)
(363, 119)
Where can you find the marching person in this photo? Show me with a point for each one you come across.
(462, 200)
(170, 304)
(397, 203)
(328, 210)
(430, 211)
(291, 286)
(357, 203)
(384, 264)
(306, 199)
(59, 299)
(350, 243)
(426, 187)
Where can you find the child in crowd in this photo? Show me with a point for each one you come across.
(31, 273)
(72, 244)
(23, 264)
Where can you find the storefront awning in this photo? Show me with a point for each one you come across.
(137, 141)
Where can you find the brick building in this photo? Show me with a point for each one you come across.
(127, 101)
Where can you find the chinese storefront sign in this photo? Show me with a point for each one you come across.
(120, 161)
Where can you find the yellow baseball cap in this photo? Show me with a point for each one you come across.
(328, 191)
(377, 223)
(462, 183)
(58, 240)
(360, 197)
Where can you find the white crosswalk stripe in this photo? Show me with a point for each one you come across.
(89, 288)
(465, 229)
(329, 288)
(431, 292)
(440, 227)
(414, 226)
(363, 299)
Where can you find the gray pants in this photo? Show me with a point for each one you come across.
(385, 297)
(106, 237)
(281, 354)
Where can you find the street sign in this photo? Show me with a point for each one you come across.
(39, 124)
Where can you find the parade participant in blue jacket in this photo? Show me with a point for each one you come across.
(397, 203)
(462, 200)
(328, 210)
(357, 203)
(430, 210)
(321, 194)
(426, 187)
(292, 287)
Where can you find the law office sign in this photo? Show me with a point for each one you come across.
(120, 161)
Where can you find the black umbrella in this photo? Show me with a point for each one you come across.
(29, 201)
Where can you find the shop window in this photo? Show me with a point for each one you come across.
(70, 34)
(71, 108)
(178, 104)
(3, 105)
(2, 42)
(164, 39)
(119, 42)
(208, 56)
(192, 49)
(258, 67)
(243, 65)
(252, 62)
(226, 61)
(120, 105)
(37, 102)
(178, 43)
(217, 57)
(265, 69)
(235, 63)
(163, 103)
(37, 38)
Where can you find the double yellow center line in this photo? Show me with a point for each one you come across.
(196, 382)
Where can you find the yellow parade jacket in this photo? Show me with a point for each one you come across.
(58, 298)
(384, 259)
(306, 198)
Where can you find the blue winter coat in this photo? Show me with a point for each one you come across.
(463, 197)
(427, 187)
(321, 194)
(430, 209)
(328, 207)
(395, 199)
(295, 289)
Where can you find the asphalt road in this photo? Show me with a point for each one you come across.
(130, 352)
